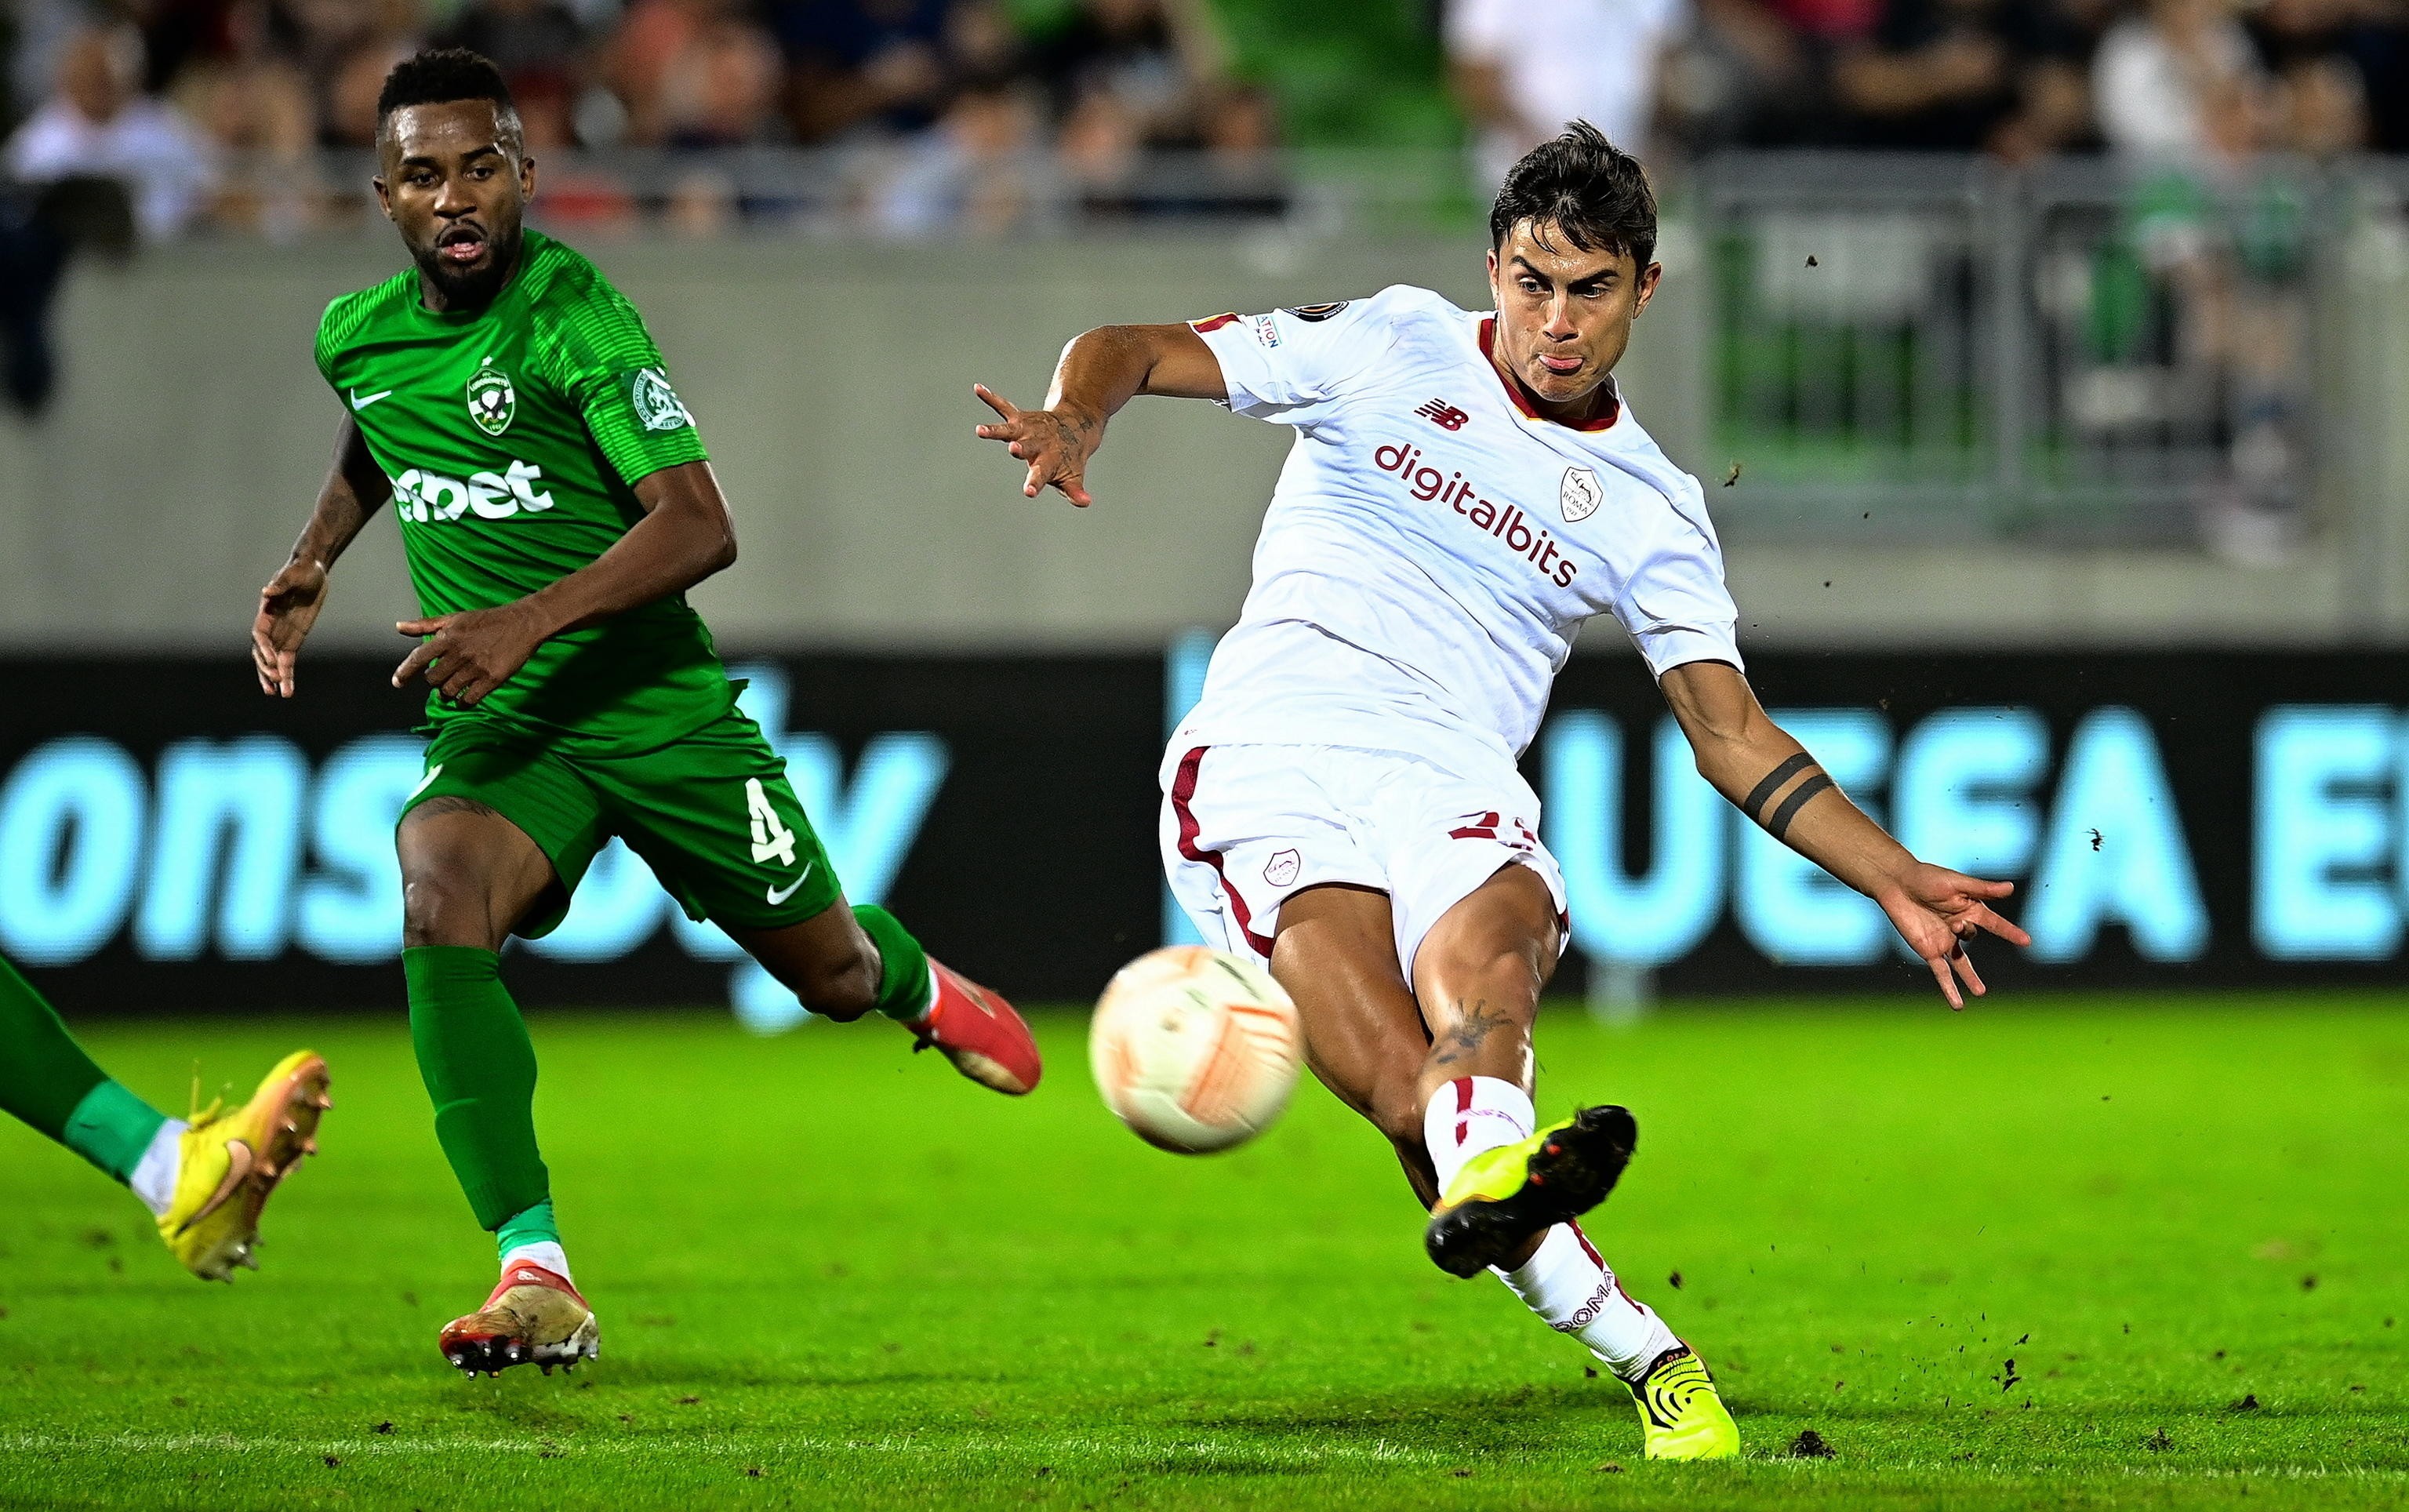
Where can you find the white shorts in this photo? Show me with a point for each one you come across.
(1245, 827)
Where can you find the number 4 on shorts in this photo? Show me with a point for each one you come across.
(772, 838)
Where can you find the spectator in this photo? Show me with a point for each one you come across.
(1157, 66)
(255, 108)
(856, 64)
(1241, 137)
(2178, 85)
(537, 44)
(721, 88)
(36, 34)
(570, 192)
(364, 40)
(694, 73)
(1961, 76)
(1522, 68)
(2320, 107)
(2318, 102)
(540, 46)
(97, 124)
(972, 172)
(1741, 76)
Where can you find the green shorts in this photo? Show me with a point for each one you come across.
(711, 815)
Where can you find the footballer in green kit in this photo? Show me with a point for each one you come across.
(555, 502)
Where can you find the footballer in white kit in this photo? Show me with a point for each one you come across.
(1465, 491)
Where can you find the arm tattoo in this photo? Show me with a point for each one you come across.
(1779, 825)
(1762, 794)
(1759, 804)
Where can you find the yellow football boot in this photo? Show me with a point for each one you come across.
(228, 1164)
(1503, 1195)
(1681, 1413)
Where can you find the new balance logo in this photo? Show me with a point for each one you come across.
(1443, 414)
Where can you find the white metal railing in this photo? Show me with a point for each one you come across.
(2085, 349)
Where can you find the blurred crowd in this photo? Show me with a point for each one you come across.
(2164, 83)
(221, 111)
(218, 112)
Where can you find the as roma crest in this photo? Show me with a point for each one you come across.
(1581, 494)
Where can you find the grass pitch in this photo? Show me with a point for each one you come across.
(2072, 1252)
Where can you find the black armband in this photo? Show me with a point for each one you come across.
(1779, 825)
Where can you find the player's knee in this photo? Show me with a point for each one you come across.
(440, 911)
(842, 989)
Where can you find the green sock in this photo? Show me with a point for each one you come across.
(531, 1225)
(47, 1080)
(478, 1065)
(904, 982)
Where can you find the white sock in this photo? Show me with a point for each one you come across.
(1470, 1115)
(1574, 1292)
(154, 1176)
(543, 1252)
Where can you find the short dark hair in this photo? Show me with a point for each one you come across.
(439, 76)
(1594, 189)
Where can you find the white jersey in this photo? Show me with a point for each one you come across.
(1433, 548)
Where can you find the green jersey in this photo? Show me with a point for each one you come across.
(513, 438)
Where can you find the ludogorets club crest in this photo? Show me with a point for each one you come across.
(1581, 494)
(657, 405)
(492, 400)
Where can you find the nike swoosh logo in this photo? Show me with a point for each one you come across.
(361, 401)
(432, 772)
(238, 1161)
(779, 895)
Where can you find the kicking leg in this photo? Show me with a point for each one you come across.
(1478, 973)
(846, 960)
(1513, 1196)
(1336, 955)
(205, 1181)
(467, 875)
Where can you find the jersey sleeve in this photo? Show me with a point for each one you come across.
(322, 349)
(1676, 606)
(1287, 365)
(344, 315)
(607, 365)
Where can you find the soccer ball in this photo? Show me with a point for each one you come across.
(1195, 1050)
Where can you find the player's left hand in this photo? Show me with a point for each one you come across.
(467, 655)
(1935, 911)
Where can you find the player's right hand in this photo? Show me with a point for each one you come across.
(288, 606)
(1055, 444)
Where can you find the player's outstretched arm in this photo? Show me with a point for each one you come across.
(354, 489)
(1099, 371)
(1754, 762)
(684, 536)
